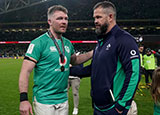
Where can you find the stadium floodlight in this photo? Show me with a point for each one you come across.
(85, 29)
(141, 28)
(158, 28)
(125, 28)
(133, 28)
(93, 28)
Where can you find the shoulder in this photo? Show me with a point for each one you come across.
(66, 40)
(145, 56)
(41, 39)
(68, 45)
(123, 35)
(125, 38)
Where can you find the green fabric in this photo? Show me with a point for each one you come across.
(156, 109)
(50, 84)
(101, 41)
(132, 84)
(119, 81)
(149, 62)
(103, 109)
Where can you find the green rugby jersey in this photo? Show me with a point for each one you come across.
(50, 84)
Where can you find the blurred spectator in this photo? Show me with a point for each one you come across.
(155, 90)
(74, 82)
(141, 48)
(149, 65)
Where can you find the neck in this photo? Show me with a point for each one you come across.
(110, 26)
(55, 35)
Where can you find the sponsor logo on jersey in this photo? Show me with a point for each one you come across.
(53, 49)
(30, 48)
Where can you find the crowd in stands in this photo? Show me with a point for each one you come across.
(19, 50)
(12, 50)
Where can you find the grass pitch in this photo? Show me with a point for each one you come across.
(9, 92)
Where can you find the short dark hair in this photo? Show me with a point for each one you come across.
(148, 50)
(55, 8)
(106, 5)
(140, 45)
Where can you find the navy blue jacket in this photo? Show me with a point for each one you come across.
(114, 70)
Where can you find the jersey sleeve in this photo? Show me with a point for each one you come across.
(72, 49)
(34, 50)
(130, 60)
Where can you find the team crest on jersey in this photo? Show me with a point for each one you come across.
(53, 49)
(67, 49)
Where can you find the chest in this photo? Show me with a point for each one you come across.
(51, 54)
(106, 51)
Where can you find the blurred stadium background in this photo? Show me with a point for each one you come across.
(24, 20)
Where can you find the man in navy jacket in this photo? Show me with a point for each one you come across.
(115, 65)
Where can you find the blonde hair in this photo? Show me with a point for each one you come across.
(155, 86)
(55, 8)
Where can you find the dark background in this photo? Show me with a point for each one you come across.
(141, 18)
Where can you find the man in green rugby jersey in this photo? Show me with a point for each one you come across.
(50, 55)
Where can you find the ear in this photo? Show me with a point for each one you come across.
(49, 21)
(111, 17)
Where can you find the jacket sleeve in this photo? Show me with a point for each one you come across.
(130, 60)
(80, 71)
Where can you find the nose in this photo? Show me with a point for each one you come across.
(95, 21)
(65, 21)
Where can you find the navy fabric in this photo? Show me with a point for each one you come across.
(116, 46)
(108, 54)
(110, 112)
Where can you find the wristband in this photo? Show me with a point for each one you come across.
(23, 96)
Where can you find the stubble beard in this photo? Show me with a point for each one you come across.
(59, 32)
(102, 30)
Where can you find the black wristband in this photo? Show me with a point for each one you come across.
(23, 96)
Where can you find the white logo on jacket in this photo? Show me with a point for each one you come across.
(133, 54)
(108, 46)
